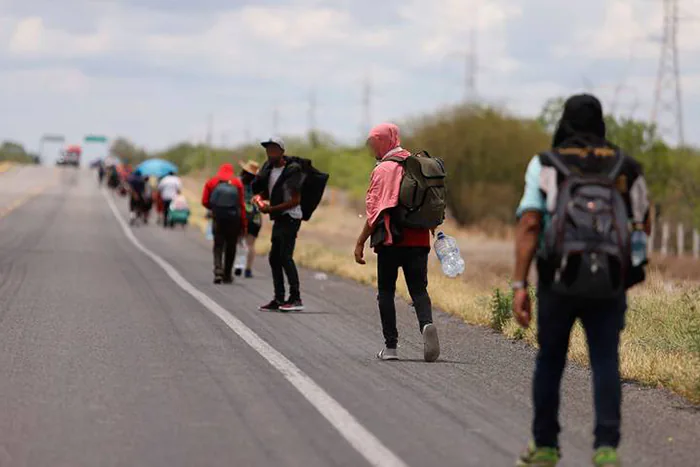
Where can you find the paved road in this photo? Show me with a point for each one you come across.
(108, 361)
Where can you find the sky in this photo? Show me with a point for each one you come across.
(156, 70)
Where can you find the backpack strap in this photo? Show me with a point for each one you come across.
(397, 159)
(617, 168)
(555, 160)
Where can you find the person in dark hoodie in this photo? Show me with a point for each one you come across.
(580, 143)
(224, 196)
(279, 182)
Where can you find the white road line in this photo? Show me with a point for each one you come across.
(357, 435)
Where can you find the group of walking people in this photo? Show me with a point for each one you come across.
(237, 205)
(583, 200)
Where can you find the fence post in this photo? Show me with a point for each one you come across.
(665, 234)
(680, 240)
(652, 239)
(696, 244)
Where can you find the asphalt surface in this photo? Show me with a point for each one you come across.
(107, 361)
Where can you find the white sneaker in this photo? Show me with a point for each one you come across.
(431, 343)
(388, 354)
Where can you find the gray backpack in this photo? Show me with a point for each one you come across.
(224, 201)
(587, 244)
(422, 197)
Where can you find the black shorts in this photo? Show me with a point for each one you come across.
(254, 229)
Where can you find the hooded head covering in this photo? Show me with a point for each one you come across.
(386, 137)
(581, 124)
(225, 171)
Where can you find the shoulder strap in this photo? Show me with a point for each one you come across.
(617, 168)
(558, 164)
(397, 159)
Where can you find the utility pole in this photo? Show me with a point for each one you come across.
(471, 63)
(366, 124)
(275, 121)
(210, 130)
(667, 112)
(312, 111)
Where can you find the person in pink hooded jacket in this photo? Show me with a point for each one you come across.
(396, 248)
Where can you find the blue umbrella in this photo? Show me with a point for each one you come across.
(156, 167)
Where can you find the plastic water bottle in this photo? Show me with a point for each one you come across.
(209, 234)
(639, 247)
(241, 259)
(447, 251)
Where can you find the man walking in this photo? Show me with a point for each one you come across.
(396, 247)
(580, 198)
(279, 184)
(168, 188)
(223, 195)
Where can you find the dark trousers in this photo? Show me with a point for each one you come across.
(166, 212)
(226, 233)
(414, 262)
(284, 239)
(602, 321)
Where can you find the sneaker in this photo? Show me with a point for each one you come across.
(431, 343)
(606, 457)
(292, 305)
(388, 354)
(274, 305)
(218, 279)
(248, 274)
(538, 457)
(238, 272)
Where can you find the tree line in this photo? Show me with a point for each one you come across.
(486, 151)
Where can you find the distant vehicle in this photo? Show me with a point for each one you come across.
(70, 156)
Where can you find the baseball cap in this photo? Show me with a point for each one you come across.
(274, 140)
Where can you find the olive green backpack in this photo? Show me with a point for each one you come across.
(422, 197)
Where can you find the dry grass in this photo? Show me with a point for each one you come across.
(661, 343)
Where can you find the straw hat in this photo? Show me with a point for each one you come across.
(251, 167)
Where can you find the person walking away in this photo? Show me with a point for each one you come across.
(223, 195)
(396, 248)
(280, 182)
(179, 210)
(248, 172)
(168, 188)
(137, 187)
(580, 199)
(100, 172)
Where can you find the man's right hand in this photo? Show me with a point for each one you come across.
(522, 308)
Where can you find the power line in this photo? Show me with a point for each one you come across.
(667, 112)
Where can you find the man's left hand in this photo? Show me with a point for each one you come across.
(265, 209)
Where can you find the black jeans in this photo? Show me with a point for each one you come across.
(166, 212)
(284, 239)
(602, 321)
(226, 233)
(414, 262)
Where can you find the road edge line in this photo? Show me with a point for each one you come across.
(359, 437)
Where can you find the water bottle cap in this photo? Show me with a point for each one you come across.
(441, 235)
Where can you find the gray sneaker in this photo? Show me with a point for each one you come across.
(431, 343)
(388, 354)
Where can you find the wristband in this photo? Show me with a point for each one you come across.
(517, 285)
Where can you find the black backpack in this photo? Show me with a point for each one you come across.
(225, 201)
(587, 243)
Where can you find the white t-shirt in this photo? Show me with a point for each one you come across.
(295, 212)
(169, 186)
